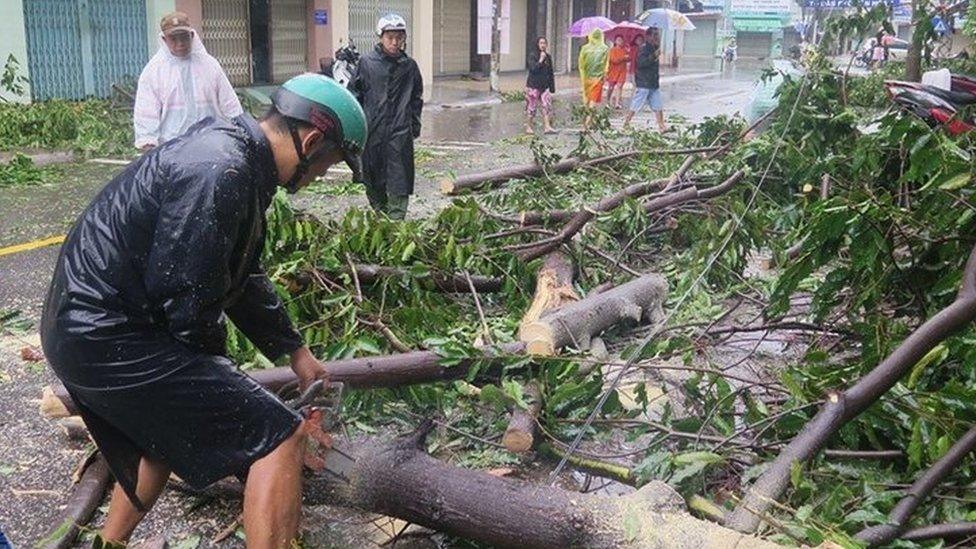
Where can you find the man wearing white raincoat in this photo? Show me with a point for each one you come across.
(181, 85)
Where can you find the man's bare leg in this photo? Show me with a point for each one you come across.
(272, 494)
(123, 517)
(661, 126)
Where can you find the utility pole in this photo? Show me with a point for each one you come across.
(496, 45)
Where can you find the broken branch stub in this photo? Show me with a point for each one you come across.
(84, 500)
(519, 437)
(841, 407)
(574, 325)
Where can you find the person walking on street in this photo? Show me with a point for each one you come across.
(617, 71)
(133, 323)
(391, 90)
(593, 58)
(181, 85)
(648, 82)
(539, 87)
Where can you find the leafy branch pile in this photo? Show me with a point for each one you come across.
(871, 218)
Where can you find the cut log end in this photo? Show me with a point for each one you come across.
(447, 186)
(517, 441)
(52, 407)
(539, 338)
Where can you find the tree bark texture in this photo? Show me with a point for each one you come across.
(360, 373)
(919, 490)
(841, 407)
(399, 479)
(692, 193)
(952, 530)
(577, 323)
(519, 437)
(85, 498)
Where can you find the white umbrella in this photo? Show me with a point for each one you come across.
(665, 19)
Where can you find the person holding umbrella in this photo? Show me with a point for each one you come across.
(616, 71)
(648, 82)
(593, 59)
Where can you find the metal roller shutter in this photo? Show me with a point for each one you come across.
(701, 41)
(452, 33)
(753, 44)
(79, 48)
(289, 39)
(226, 34)
(363, 15)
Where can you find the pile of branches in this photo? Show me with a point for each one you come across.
(550, 310)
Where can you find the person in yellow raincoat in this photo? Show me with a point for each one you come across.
(593, 59)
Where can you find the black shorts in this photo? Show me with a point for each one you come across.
(204, 419)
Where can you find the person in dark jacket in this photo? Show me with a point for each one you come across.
(390, 89)
(539, 87)
(647, 80)
(134, 327)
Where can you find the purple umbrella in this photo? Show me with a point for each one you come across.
(586, 25)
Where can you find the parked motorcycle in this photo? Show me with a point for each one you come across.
(343, 68)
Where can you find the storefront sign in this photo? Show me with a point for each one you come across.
(761, 6)
(321, 17)
(844, 4)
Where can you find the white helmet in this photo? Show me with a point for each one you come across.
(390, 22)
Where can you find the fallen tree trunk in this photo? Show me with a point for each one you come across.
(843, 406)
(399, 479)
(919, 490)
(952, 530)
(85, 498)
(370, 274)
(587, 213)
(495, 178)
(360, 373)
(577, 323)
(519, 437)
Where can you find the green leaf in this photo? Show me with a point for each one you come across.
(956, 182)
(931, 358)
(6, 470)
(408, 251)
(915, 445)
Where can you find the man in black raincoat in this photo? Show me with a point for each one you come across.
(390, 88)
(134, 327)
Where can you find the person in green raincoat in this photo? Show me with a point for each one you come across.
(593, 59)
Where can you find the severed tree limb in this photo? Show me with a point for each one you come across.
(399, 479)
(577, 323)
(952, 530)
(692, 193)
(495, 178)
(553, 287)
(588, 213)
(842, 406)
(520, 434)
(919, 490)
(84, 500)
(360, 373)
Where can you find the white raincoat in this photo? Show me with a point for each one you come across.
(175, 93)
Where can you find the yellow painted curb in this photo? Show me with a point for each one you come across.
(32, 245)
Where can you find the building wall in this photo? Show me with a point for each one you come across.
(319, 36)
(422, 38)
(515, 59)
(155, 10)
(14, 42)
(193, 8)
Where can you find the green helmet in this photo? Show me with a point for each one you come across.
(326, 105)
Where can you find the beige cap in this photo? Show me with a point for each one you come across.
(175, 22)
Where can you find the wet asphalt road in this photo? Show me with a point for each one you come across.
(36, 461)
